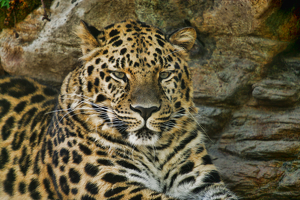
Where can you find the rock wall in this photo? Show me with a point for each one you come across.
(245, 66)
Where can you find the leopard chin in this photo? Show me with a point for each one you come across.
(143, 136)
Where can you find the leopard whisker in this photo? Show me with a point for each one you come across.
(173, 52)
(193, 118)
(77, 95)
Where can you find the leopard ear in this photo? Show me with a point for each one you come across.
(183, 38)
(91, 37)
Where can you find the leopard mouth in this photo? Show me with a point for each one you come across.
(143, 136)
(144, 133)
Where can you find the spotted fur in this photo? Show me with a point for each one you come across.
(122, 126)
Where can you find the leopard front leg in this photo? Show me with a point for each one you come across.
(196, 178)
(107, 184)
(88, 177)
(118, 187)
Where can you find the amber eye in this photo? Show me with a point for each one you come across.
(120, 75)
(164, 75)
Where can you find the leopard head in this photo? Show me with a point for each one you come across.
(134, 84)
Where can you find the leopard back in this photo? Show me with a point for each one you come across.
(25, 113)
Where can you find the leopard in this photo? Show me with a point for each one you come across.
(122, 125)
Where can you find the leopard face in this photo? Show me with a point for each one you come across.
(135, 84)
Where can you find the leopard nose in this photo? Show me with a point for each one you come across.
(145, 112)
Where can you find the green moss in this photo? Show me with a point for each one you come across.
(277, 19)
(20, 12)
(283, 15)
(4, 3)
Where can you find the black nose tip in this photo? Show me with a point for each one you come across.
(145, 112)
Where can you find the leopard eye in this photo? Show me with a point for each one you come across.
(120, 75)
(164, 75)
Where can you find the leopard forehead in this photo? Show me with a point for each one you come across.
(134, 45)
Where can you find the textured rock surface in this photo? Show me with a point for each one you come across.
(245, 67)
(280, 93)
(264, 143)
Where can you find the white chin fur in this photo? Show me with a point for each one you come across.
(133, 139)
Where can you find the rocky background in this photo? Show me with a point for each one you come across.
(245, 66)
